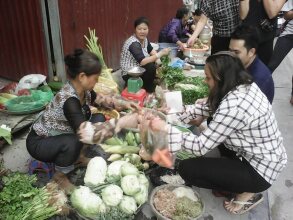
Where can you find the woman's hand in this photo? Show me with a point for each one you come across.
(90, 133)
(201, 101)
(127, 121)
(163, 52)
(180, 45)
(191, 41)
(123, 104)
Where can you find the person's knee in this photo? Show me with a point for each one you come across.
(70, 151)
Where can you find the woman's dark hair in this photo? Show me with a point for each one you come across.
(227, 72)
(82, 61)
(248, 34)
(181, 12)
(141, 20)
(197, 12)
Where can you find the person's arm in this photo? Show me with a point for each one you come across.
(193, 111)
(288, 15)
(273, 7)
(243, 8)
(199, 27)
(136, 51)
(115, 102)
(73, 113)
(225, 121)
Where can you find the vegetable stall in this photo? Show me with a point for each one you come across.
(116, 182)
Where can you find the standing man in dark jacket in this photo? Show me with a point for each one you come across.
(244, 42)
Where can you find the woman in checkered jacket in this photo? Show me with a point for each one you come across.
(243, 126)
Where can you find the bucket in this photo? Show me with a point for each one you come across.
(172, 46)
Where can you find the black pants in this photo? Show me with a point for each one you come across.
(265, 46)
(63, 150)
(227, 173)
(148, 77)
(219, 44)
(282, 48)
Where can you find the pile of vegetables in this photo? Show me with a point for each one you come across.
(116, 189)
(122, 145)
(179, 203)
(19, 199)
(192, 88)
(170, 75)
(125, 148)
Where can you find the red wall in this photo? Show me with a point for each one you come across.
(113, 22)
(22, 43)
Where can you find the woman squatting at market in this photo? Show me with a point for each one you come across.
(61, 133)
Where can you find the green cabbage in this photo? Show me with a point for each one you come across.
(128, 205)
(114, 171)
(142, 196)
(130, 185)
(112, 195)
(86, 202)
(96, 172)
(129, 169)
(143, 180)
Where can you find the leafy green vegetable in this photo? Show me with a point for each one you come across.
(192, 88)
(114, 213)
(170, 75)
(17, 193)
(5, 132)
(185, 207)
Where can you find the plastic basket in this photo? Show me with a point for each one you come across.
(172, 187)
(106, 86)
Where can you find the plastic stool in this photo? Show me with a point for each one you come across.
(139, 96)
(36, 166)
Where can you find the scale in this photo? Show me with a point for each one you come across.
(135, 83)
(134, 89)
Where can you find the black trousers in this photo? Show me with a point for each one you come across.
(63, 150)
(282, 48)
(265, 46)
(147, 77)
(219, 44)
(227, 173)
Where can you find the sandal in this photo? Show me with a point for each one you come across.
(246, 206)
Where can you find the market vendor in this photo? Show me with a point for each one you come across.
(138, 51)
(174, 31)
(62, 130)
(243, 123)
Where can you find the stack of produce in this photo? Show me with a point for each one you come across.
(176, 203)
(94, 46)
(113, 191)
(192, 88)
(19, 199)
